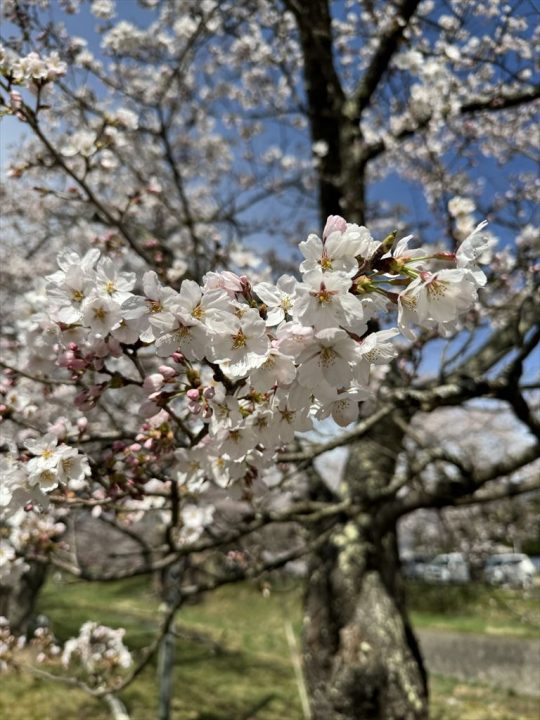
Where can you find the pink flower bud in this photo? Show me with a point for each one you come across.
(167, 372)
(66, 358)
(244, 280)
(59, 428)
(154, 188)
(153, 382)
(81, 399)
(115, 349)
(15, 99)
(334, 223)
(82, 424)
(177, 357)
(209, 392)
(70, 361)
(193, 394)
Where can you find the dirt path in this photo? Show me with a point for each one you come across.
(510, 663)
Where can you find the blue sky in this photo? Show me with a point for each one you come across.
(84, 24)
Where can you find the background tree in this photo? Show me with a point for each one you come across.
(198, 126)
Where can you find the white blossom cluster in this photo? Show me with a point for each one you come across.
(10, 645)
(53, 464)
(32, 68)
(11, 566)
(244, 366)
(48, 464)
(99, 649)
(22, 532)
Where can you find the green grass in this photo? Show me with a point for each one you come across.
(246, 669)
(475, 608)
(455, 700)
(234, 663)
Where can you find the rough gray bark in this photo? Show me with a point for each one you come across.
(116, 707)
(170, 593)
(361, 659)
(17, 601)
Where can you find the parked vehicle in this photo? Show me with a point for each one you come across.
(413, 566)
(446, 568)
(515, 569)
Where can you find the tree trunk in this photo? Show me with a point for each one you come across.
(18, 600)
(170, 593)
(361, 659)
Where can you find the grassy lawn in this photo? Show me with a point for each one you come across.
(239, 668)
(455, 700)
(246, 672)
(476, 608)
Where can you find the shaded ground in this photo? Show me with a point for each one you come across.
(233, 661)
(506, 662)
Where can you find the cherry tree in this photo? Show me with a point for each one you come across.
(156, 370)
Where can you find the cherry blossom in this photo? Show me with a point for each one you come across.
(324, 301)
(278, 298)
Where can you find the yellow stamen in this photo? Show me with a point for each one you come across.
(239, 340)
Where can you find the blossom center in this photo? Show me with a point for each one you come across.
(409, 301)
(436, 288)
(286, 303)
(326, 262)
(183, 331)
(287, 415)
(327, 356)
(239, 340)
(323, 295)
(261, 423)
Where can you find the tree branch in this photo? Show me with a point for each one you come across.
(455, 492)
(104, 212)
(492, 104)
(388, 44)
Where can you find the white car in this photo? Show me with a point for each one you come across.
(446, 568)
(514, 569)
